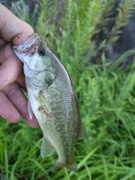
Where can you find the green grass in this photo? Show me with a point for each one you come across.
(106, 99)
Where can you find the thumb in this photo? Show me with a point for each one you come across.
(12, 28)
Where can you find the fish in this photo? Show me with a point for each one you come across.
(53, 101)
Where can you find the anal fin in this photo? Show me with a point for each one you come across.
(46, 147)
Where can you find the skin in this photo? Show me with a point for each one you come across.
(13, 103)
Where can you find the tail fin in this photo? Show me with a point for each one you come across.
(72, 167)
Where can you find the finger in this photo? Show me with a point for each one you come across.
(12, 28)
(2, 42)
(7, 109)
(21, 81)
(17, 97)
(11, 67)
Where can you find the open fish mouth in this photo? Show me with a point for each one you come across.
(29, 47)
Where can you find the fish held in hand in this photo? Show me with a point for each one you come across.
(52, 100)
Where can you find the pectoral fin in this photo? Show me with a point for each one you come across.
(30, 110)
(83, 134)
(46, 148)
(44, 107)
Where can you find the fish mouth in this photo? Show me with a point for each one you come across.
(28, 47)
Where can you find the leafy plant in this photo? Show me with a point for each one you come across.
(105, 92)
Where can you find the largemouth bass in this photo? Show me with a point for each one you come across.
(52, 100)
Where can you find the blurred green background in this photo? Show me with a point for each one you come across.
(84, 35)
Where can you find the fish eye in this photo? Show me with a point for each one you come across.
(41, 51)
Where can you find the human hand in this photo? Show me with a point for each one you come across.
(13, 103)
